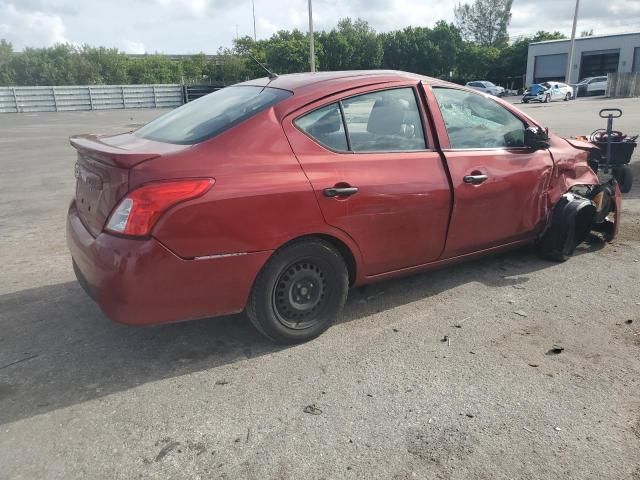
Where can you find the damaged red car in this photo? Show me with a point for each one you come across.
(275, 196)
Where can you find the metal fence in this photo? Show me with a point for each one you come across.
(623, 85)
(89, 97)
(193, 92)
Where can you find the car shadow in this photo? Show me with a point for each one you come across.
(58, 350)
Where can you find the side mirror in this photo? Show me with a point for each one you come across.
(536, 138)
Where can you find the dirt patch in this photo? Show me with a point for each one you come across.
(440, 445)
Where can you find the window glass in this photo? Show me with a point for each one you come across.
(473, 121)
(210, 115)
(325, 125)
(384, 121)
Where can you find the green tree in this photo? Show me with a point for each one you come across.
(6, 55)
(477, 62)
(195, 68)
(484, 22)
(432, 52)
(287, 52)
(352, 45)
(154, 69)
(112, 65)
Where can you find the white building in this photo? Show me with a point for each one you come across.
(592, 57)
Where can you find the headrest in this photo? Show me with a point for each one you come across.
(387, 116)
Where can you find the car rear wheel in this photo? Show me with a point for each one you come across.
(299, 292)
(567, 97)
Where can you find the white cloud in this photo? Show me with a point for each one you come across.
(131, 46)
(188, 26)
(30, 28)
(265, 28)
(185, 7)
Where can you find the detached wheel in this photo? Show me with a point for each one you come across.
(558, 244)
(299, 292)
(625, 178)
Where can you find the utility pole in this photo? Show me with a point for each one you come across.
(253, 8)
(312, 53)
(567, 78)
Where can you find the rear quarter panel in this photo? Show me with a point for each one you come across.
(260, 200)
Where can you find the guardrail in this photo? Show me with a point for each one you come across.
(193, 92)
(623, 85)
(88, 97)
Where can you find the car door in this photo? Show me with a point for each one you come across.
(556, 92)
(371, 161)
(601, 84)
(499, 184)
(597, 84)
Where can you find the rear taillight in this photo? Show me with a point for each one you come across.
(137, 213)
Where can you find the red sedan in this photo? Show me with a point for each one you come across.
(276, 195)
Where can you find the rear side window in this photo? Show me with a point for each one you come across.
(210, 115)
(325, 125)
(383, 121)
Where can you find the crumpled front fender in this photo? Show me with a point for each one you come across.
(571, 166)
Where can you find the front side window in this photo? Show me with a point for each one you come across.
(383, 121)
(473, 121)
(210, 115)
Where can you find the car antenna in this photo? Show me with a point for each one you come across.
(272, 75)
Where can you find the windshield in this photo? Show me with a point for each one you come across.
(489, 84)
(210, 115)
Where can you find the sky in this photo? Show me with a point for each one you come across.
(192, 26)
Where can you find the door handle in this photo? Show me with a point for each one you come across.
(340, 191)
(475, 179)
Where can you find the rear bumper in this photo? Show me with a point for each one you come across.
(141, 282)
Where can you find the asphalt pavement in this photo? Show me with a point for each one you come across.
(380, 395)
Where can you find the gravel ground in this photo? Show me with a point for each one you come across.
(81, 397)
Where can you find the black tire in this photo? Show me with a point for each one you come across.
(547, 98)
(567, 97)
(525, 101)
(299, 292)
(625, 178)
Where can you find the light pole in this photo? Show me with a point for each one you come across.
(567, 78)
(312, 53)
(253, 8)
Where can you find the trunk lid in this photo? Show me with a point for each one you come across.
(102, 172)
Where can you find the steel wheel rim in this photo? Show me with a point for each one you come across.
(300, 295)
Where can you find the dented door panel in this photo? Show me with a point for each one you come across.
(510, 206)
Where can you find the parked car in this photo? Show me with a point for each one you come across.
(591, 86)
(486, 87)
(276, 195)
(547, 92)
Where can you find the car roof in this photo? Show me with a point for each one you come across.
(303, 82)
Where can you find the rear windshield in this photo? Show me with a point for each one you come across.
(210, 115)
